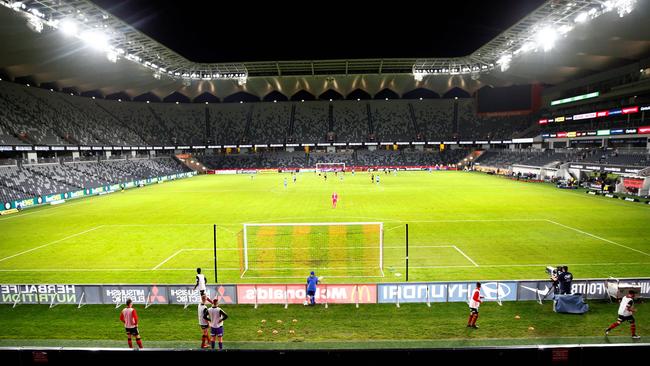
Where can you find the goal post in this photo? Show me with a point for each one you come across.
(280, 250)
(330, 167)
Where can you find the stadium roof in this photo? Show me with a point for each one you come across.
(605, 42)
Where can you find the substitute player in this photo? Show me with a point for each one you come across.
(129, 317)
(335, 198)
(626, 313)
(474, 304)
(201, 282)
(204, 321)
(217, 316)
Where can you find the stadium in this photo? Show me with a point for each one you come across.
(514, 153)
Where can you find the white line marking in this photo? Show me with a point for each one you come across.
(50, 243)
(165, 261)
(313, 224)
(465, 255)
(348, 247)
(139, 225)
(302, 277)
(598, 237)
(238, 269)
(43, 209)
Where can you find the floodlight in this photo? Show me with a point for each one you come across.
(563, 30)
(582, 17)
(95, 39)
(504, 62)
(34, 23)
(111, 56)
(546, 38)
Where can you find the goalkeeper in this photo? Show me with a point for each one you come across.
(310, 288)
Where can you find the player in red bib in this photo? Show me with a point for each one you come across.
(335, 198)
(474, 302)
(129, 317)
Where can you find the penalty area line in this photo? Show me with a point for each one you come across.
(465, 255)
(50, 243)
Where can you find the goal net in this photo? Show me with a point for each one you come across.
(285, 250)
(330, 167)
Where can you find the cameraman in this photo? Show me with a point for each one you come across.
(555, 278)
(565, 278)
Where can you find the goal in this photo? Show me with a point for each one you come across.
(284, 250)
(330, 167)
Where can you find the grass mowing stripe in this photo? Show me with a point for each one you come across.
(598, 237)
(50, 243)
(502, 226)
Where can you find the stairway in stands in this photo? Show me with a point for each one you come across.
(191, 162)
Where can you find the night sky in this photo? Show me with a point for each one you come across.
(220, 31)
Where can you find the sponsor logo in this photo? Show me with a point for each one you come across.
(296, 294)
(497, 290)
(223, 297)
(155, 298)
(630, 110)
(38, 294)
(541, 292)
(119, 295)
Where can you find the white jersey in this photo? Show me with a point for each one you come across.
(201, 310)
(623, 308)
(475, 300)
(201, 280)
(215, 315)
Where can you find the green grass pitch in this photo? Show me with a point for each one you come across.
(462, 226)
(339, 326)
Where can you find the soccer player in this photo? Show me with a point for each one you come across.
(377, 178)
(294, 178)
(310, 287)
(335, 198)
(204, 321)
(626, 313)
(200, 281)
(217, 316)
(129, 317)
(474, 303)
(372, 178)
(285, 183)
